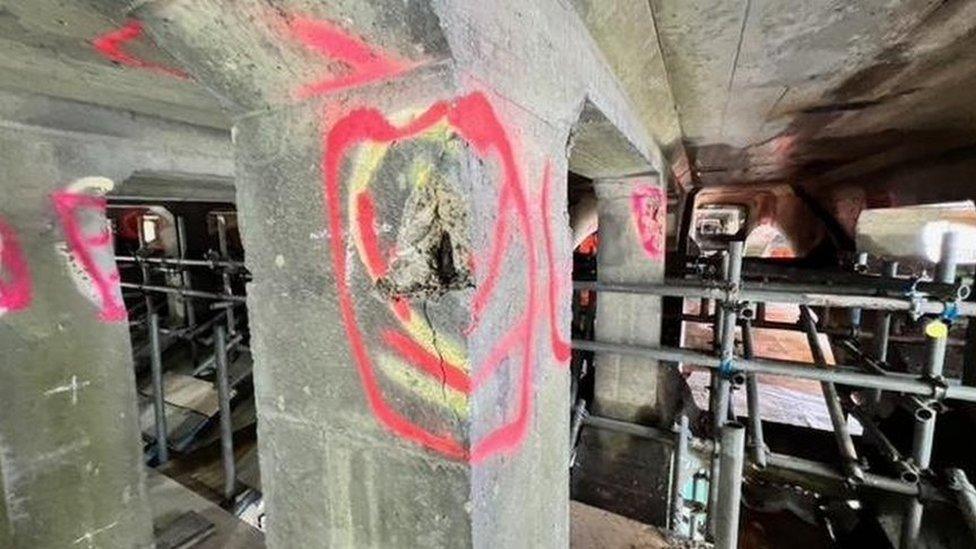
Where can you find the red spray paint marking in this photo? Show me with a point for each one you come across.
(84, 248)
(423, 359)
(473, 118)
(112, 46)
(560, 348)
(16, 286)
(365, 64)
(649, 208)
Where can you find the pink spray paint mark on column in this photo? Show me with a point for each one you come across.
(16, 286)
(89, 249)
(473, 120)
(365, 64)
(650, 212)
(560, 348)
(111, 46)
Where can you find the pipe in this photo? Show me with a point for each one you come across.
(782, 368)
(831, 331)
(752, 402)
(226, 425)
(775, 462)
(882, 333)
(855, 312)
(965, 496)
(159, 406)
(821, 298)
(225, 255)
(907, 472)
(150, 199)
(679, 456)
(727, 350)
(730, 490)
(924, 435)
(845, 444)
(181, 262)
(727, 316)
(182, 292)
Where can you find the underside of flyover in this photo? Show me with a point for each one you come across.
(445, 273)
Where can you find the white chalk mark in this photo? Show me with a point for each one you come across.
(72, 387)
(89, 536)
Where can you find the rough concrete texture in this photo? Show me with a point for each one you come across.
(776, 91)
(627, 387)
(70, 455)
(627, 36)
(619, 472)
(359, 445)
(46, 48)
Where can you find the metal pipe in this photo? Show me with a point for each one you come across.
(831, 331)
(752, 402)
(907, 472)
(704, 448)
(727, 315)
(182, 292)
(845, 444)
(730, 490)
(924, 435)
(727, 349)
(181, 262)
(187, 280)
(679, 456)
(882, 333)
(782, 368)
(150, 199)
(965, 496)
(855, 312)
(159, 406)
(682, 288)
(226, 425)
(225, 255)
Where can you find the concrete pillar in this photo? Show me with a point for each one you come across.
(624, 473)
(632, 216)
(71, 472)
(70, 452)
(401, 173)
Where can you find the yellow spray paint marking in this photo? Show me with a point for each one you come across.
(367, 160)
(430, 389)
(937, 329)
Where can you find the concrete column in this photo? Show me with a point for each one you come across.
(70, 452)
(623, 473)
(71, 472)
(632, 216)
(410, 301)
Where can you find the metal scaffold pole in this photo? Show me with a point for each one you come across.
(924, 435)
(159, 406)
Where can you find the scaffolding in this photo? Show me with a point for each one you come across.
(742, 304)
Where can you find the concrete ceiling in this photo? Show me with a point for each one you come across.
(742, 91)
(46, 46)
(801, 91)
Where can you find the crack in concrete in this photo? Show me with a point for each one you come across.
(440, 359)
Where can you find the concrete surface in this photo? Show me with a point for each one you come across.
(335, 466)
(169, 500)
(70, 457)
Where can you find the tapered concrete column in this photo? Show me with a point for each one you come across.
(406, 271)
(632, 216)
(402, 172)
(71, 472)
(70, 454)
(624, 473)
